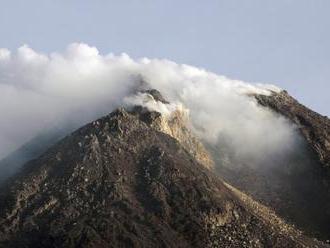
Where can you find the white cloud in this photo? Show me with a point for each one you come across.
(38, 91)
(4, 54)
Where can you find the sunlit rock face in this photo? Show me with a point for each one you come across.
(172, 120)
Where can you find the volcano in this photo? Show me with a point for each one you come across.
(140, 178)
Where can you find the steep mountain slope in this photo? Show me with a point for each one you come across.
(121, 182)
(296, 184)
(28, 151)
(314, 179)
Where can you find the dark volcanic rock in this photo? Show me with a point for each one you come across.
(118, 182)
(156, 95)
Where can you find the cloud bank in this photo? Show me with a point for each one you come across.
(41, 91)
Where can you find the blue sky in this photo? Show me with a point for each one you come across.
(284, 42)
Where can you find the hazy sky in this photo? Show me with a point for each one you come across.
(284, 42)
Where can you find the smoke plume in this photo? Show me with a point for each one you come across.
(41, 91)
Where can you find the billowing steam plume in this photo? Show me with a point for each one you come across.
(39, 92)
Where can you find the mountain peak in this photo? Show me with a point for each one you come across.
(122, 181)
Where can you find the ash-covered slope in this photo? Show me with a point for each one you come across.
(312, 175)
(120, 182)
(314, 127)
(295, 184)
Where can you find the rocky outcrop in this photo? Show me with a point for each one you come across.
(177, 125)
